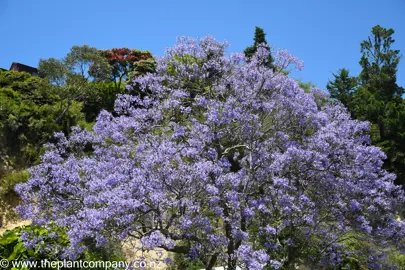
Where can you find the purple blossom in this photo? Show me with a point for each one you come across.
(270, 230)
(223, 159)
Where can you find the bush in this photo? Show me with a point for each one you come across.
(34, 243)
(8, 198)
(8, 181)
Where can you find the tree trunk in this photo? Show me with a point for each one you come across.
(212, 262)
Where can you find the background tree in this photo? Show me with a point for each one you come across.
(74, 66)
(31, 110)
(379, 64)
(378, 98)
(124, 63)
(342, 87)
(259, 39)
(72, 75)
(53, 70)
(94, 76)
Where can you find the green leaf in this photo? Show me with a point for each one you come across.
(19, 249)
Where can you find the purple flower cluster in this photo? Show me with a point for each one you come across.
(225, 160)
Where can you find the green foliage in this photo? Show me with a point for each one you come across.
(379, 99)
(37, 243)
(397, 258)
(48, 246)
(31, 110)
(9, 199)
(142, 67)
(74, 67)
(53, 70)
(354, 258)
(101, 96)
(94, 77)
(380, 64)
(8, 182)
(343, 86)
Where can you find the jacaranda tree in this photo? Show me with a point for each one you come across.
(224, 161)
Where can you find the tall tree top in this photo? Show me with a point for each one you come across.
(380, 63)
(343, 86)
(259, 38)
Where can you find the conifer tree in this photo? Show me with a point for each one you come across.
(259, 40)
(343, 86)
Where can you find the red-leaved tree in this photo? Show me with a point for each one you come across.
(125, 63)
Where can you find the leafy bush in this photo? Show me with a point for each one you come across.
(8, 181)
(8, 198)
(31, 110)
(35, 243)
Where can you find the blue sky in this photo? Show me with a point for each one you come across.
(325, 34)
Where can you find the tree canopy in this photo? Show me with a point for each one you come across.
(95, 76)
(31, 110)
(124, 63)
(342, 87)
(227, 161)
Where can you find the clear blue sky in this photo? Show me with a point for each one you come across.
(324, 33)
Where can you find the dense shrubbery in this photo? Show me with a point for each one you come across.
(228, 162)
(8, 182)
(31, 110)
(35, 243)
